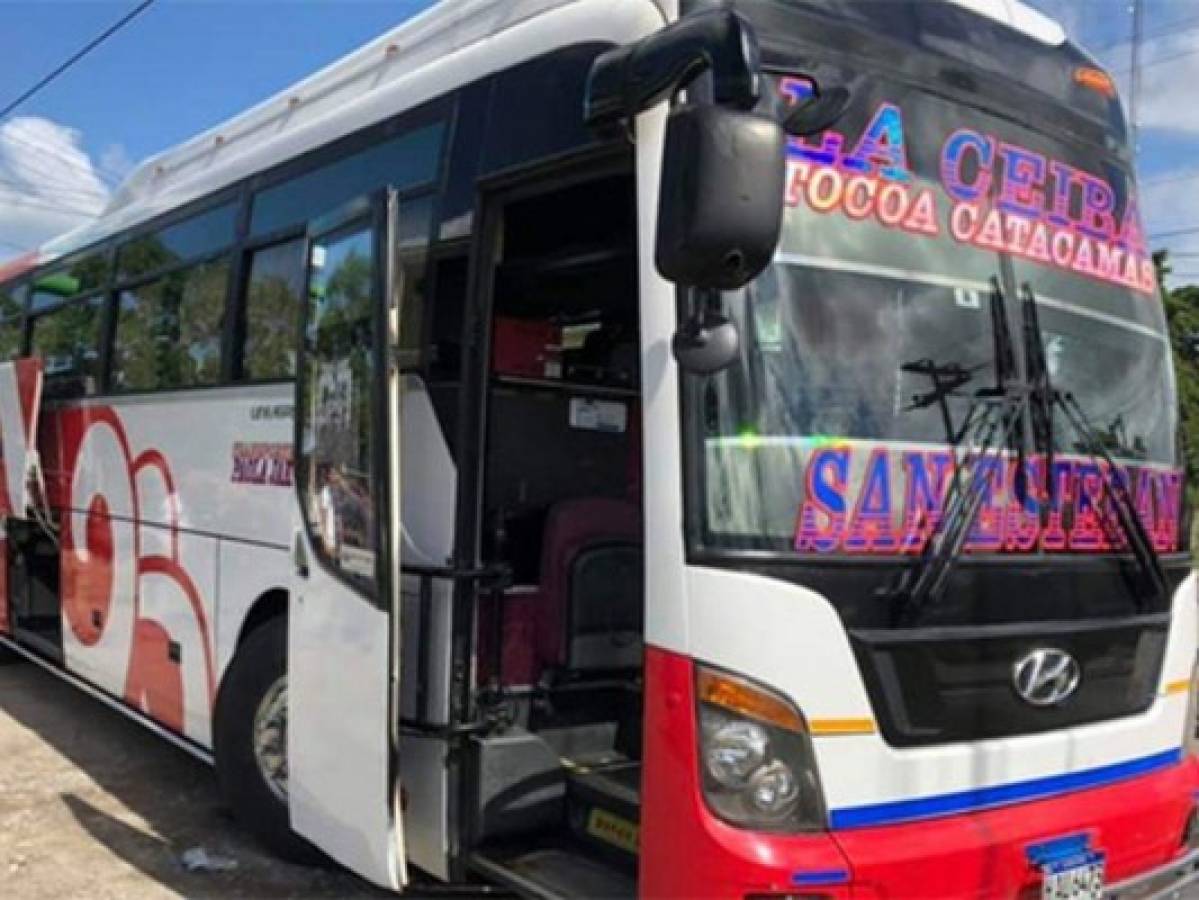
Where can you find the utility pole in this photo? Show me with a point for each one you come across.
(1134, 79)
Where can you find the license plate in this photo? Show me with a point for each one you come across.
(1079, 878)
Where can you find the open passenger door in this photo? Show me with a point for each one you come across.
(343, 647)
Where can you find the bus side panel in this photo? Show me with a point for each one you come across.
(149, 490)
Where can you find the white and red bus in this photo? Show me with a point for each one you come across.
(611, 447)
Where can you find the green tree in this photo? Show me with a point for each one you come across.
(1182, 315)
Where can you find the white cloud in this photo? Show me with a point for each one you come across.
(115, 162)
(48, 182)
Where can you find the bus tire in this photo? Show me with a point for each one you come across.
(251, 681)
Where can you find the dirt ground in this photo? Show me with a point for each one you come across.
(92, 805)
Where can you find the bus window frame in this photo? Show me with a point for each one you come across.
(114, 315)
(443, 109)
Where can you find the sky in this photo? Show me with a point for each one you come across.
(186, 65)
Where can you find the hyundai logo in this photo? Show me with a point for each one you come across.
(1046, 676)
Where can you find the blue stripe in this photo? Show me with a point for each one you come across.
(983, 798)
(820, 878)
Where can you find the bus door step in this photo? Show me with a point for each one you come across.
(554, 873)
(604, 807)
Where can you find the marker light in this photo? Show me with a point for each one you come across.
(756, 761)
(1096, 80)
(1190, 724)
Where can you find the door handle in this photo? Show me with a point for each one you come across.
(299, 556)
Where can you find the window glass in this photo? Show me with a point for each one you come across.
(77, 276)
(169, 331)
(337, 387)
(205, 233)
(12, 305)
(67, 340)
(412, 257)
(12, 301)
(272, 307)
(403, 162)
(10, 339)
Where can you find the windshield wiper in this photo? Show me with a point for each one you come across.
(1044, 399)
(947, 378)
(1000, 425)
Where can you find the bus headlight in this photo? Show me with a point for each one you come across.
(756, 761)
(733, 748)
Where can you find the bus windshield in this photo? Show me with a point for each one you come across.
(864, 343)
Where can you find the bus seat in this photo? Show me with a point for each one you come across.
(592, 586)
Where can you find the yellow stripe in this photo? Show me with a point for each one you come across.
(842, 726)
(1177, 687)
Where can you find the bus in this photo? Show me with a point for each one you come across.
(635, 447)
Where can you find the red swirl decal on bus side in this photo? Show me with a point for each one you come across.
(106, 565)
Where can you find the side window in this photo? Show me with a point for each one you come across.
(336, 390)
(67, 340)
(202, 234)
(404, 162)
(168, 331)
(12, 308)
(272, 311)
(412, 260)
(73, 278)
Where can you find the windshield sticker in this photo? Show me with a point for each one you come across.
(992, 194)
(863, 498)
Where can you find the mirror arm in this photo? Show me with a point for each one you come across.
(628, 80)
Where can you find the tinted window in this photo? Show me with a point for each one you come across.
(412, 257)
(75, 277)
(10, 339)
(272, 306)
(403, 162)
(12, 301)
(68, 341)
(197, 236)
(169, 331)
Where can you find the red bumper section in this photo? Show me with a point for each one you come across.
(1138, 822)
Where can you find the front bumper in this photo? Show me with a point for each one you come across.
(1176, 879)
(1138, 823)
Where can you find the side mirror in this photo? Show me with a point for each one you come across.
(706, 344)
(818, 113)
(721, 206)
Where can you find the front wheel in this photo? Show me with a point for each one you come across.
(250, 737)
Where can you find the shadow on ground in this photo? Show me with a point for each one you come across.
(93, 805)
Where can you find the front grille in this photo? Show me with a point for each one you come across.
(937, 685)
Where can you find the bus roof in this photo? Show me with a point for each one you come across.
(1019, 16)
(414, 62)
(433, 52)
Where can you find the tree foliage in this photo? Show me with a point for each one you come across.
(1182, 315)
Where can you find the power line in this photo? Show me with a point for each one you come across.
(1188, 175)
(65, 208)
(1170, 29)
(102, 173)
(1161, 60)
(1178, 232)
(51, 188)
(78, 55)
